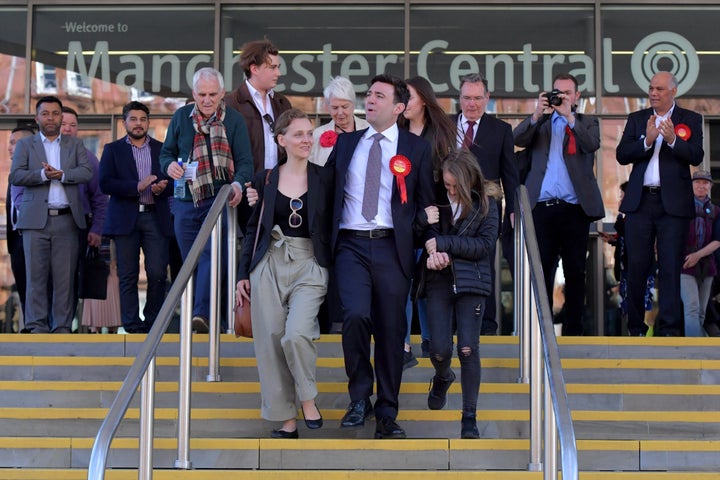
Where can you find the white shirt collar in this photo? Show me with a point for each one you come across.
(389, 134)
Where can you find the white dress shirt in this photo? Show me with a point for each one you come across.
(56, 196)
(652, 173)
(271, 150)
(352, 218)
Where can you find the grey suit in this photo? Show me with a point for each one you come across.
(50, 241)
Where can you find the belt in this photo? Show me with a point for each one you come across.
(54, 212)
(146, 207)
(377, 233)
(553, 202)
(652, 189)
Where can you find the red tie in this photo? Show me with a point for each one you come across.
(469, 135)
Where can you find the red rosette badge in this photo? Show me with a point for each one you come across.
(683, 132)
(328, 139)
(400, 167)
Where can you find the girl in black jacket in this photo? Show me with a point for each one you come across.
(457, 280)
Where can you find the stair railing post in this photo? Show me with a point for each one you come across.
(214, 322)
(183, 437)
(231, 215)
(522, 301)
(550, 471)
(147, 427)
(536, 383)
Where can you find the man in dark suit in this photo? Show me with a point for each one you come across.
(661, 142)
(491, 141)
(50, 166)
(138, 215)
(383, 178)
(562, 189)
(14, 239)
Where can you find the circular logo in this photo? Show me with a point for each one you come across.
(665, 51)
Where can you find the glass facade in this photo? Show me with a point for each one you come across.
(98, 56)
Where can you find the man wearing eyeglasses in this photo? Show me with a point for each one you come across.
(563, 190)
(258, 103)
(491, 141)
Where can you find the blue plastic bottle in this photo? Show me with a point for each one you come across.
(179, 191)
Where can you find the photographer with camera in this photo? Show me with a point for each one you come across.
(562, 189)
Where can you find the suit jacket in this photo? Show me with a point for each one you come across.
(580, 166)
(493, 147)
(119, 179)
(25, 171)
(419, 184)
(675, 180)
(240, 100)
(319, 208)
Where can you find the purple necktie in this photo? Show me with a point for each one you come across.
(372, 179)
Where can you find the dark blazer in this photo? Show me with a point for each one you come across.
(119, 179)
(580, 166)
(25, 171)
(470, 244)
(675, 180)
(240, 100)
(493, 147)
(419, 184)
(319, 207)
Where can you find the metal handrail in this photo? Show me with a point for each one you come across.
(539, 351)
(145, 357)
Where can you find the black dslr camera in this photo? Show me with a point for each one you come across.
(554, 98)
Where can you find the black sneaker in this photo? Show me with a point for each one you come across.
(425, 347)
(468, 427)
(409, 360)
(437, 398)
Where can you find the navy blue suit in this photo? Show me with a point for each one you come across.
(661, 216)
(373, 275)
(133, 229)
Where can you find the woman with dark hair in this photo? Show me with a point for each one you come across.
(288, 274)
(424, 117)
(457, 279)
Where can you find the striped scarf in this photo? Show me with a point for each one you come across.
(217, 164)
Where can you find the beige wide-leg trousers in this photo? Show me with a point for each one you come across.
(287, 288)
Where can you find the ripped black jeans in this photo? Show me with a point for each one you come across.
(448, 313)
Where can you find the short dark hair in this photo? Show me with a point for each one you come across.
(23, 128)
(135, 106)
(401, 92)
(474, 78)
(48, 99)
(70, 111)
(566, 76)
(256, 53)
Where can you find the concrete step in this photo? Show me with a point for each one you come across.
(160, 474)
(326, 454)
(413, 395)
(329, 346)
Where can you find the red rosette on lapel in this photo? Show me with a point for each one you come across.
(571, 146)
(683, 132)
(400, 167)
(328, 139)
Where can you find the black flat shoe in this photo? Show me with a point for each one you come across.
(356, 414)
(387, 428)
(437, 398)
(313, 424)
(283, 434)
